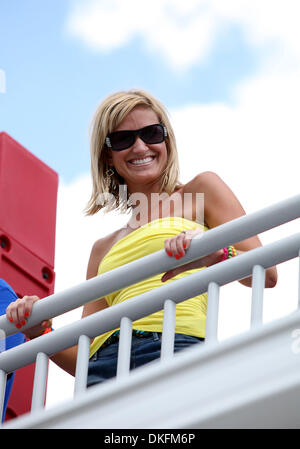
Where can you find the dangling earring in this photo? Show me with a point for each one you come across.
(109, 173)
(166, 179)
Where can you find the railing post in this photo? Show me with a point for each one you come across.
(82, 362)
(3, 377)
(124, 351)
(40, 381)
(258, 285)
(168, 334)
(212, 313)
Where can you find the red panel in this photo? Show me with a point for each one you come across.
(28, 198)
(20, 397)
(25, 272)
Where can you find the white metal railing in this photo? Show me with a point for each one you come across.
(166, 297)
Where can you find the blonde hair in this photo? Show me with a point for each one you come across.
(108, 116)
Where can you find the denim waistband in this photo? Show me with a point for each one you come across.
(136, 333)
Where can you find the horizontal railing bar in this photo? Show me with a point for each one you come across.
(147, 303)
(226, 234)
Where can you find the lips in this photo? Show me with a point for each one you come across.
(142, 163)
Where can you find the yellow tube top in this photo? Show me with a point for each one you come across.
(190, 314)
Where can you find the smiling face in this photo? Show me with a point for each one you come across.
(141, 165)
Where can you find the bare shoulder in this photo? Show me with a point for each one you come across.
(215, 190)
(204, 181)
(204, 187)
(220, 203)
(101, 246)
(99, 249)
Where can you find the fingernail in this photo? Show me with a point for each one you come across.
(182, 254)
(169, 254)
(18, 326)
(23, 323)
(177, 257)
(11, 320)
(26, 314)
(184, 245)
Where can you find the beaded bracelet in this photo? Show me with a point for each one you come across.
(46, 331)
(49, 329)
(229, 251)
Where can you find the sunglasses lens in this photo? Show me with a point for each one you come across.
(121, 140)
(152, 134)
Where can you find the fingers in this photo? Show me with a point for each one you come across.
(167, 276)
(177, 245)
(47, 324)
(18, 311)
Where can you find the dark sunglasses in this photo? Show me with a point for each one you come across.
(120, 140)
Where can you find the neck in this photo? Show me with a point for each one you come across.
(148, 205)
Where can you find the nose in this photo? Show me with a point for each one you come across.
(139, 145)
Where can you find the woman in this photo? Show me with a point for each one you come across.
(134, 167)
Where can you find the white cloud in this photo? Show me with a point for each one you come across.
(255, 139)
(184, 32)
(264, 22)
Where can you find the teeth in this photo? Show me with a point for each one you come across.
(142, 161)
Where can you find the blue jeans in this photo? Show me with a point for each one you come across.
(103, 364)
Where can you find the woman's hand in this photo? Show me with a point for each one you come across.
(20, 310)
(176, 247)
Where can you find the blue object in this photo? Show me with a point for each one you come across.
(7, 295)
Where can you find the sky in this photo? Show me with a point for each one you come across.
(228, 73)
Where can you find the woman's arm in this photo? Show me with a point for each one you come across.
(220, 206)
(19, 311)
(67, 359)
